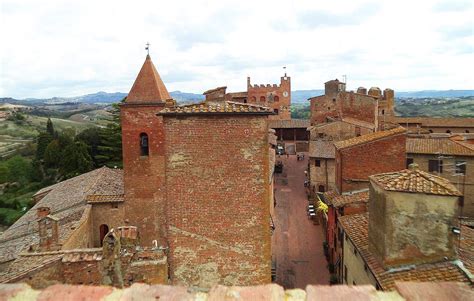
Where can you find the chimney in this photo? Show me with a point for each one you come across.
(412, 215)
(42, 212)
(48, 229)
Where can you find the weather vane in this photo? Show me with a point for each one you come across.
(147, 48)
(284, 68)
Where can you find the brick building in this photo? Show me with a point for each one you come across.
(450, 158)
(192, 205)
(426, 125)
(391, 242)
(360, 157)
(337, 103)
(277, 97)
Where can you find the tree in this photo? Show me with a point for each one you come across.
(4, 172)
(91, 137)
(75, 160)
(44, 139)
(50, 127)
(110, 147)
(52, 154)
(18, 169)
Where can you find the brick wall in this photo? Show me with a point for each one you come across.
(144, 175)
(217, 174)
(110, 214)
(361, 107)
(256, 92)
(355, 164)
(81, 237)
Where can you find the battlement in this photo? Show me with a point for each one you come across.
(283, 80)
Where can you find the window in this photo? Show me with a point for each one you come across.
(383, 112)
(254, 99)
(321, 188)
(144, 144)
(317, 163)
(353, 283)
(114, 205)
(431, 131)
(467, 131)
(329, 108)
(276, 98)
(320, 135)
(103, 230)
(275, 110)
(333, 100)
(262, 98)
(448, 131)
(357, 131)
(461, 167)
(409, 161)
(435, 166)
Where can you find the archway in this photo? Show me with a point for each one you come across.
(103, 230)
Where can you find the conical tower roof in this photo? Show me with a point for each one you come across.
(148, 86)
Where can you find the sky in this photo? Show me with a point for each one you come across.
(70, 48)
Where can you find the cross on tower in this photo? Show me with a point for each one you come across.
(147, 48)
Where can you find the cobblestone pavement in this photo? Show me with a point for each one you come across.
(297, 242)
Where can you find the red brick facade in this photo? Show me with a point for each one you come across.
(355, 164)
(278, 97)
(217, 190)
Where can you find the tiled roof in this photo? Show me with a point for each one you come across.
(289, 124)
(91, 199)
(338, 200)
(415, 180)
(215, 89)
(216, 108)
(356, 228)
(433, 121)
(358, 122)
(148, 86)
(368, 138)
(238, 94)
(322, 149)
(27, 264)
(443, 146)
(67, 201)
(466, 247)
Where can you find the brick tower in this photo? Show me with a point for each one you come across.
(143, 155)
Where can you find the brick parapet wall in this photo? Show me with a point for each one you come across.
(272, 292)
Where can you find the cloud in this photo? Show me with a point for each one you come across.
(63, 48)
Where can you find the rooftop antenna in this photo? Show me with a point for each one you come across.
(147, 48)
(284, 68)
(344, 78)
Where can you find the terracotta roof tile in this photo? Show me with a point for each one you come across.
(415, 180)
(148, 86)
(221, 107)
(67, 201)
(358, 122)
(433, 121)
(338, 200)
(443, 146)
(466, 247)
(289, 124)
(356, 228)
(369, 138)
(105, 198)
(322, 149)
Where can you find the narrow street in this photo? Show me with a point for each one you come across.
(297, 242)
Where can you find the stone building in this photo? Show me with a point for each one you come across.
(337, 103)
(426, 125)
(409, 233)
(450, 158)
(191, 206)
(277, 97)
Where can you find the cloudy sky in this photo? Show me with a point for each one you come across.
(68, 48)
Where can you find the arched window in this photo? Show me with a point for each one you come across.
(383, 112)
(276, 98)
(144, 144)
(103, 230)
(262, 98)
(254, 99)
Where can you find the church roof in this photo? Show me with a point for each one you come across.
(148, 86)
(67, 201)
(415, 180)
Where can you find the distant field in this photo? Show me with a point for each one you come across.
(436, 107)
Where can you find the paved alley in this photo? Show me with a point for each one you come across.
(297, 242)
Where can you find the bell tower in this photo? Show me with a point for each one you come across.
(143, 155)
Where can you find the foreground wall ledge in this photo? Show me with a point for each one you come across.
(404, 291)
